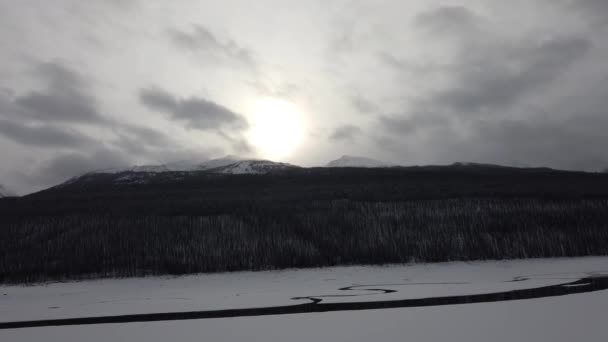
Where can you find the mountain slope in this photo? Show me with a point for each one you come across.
(174, 173)
(251, 167)
(227, 165)
(138, 223)
(354, 161)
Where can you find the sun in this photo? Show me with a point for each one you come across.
(277, 128)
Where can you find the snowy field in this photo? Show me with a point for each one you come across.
(570, 317)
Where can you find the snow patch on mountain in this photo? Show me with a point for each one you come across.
(219, 162)
(354, 161)
(179, 166)
(252, 167)
(225, 165)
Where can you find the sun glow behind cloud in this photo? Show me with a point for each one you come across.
(277, 128)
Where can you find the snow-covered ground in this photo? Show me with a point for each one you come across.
(564, 318)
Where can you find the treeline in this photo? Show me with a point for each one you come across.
(204, 194)
(298, 233)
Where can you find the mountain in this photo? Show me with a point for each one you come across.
(227, 165)
(353, 161)
(251, 167)
(214, 220)
(236, 166)
(176, 172)
(219, 162)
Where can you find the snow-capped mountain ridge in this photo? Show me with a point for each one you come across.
(252, 167)
(355, 161)
(221, 162)
(226, 165)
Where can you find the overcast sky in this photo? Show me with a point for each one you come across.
(94, 84)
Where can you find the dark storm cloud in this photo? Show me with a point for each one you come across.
(195, 112)
(42, 135)
(201, 41)
(346, 133)
(65, 98)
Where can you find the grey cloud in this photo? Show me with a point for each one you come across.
(449, 20)
(599, 7)
(150, 144)
(594, 10)
(490, 70)
(491, 82)
(59, 107)
(45, 119)
(43, 135)
(60, 78)
(141, 141)
(66, 166)
(282, 90)
(569, 134)
(145, 135)
(346, 133)
(483, 81)
(201, 41)
(65, 98)
(484, 109)
(242, 147)
(363, 105)
(238, 143)
(572, 143)
(403, 124)
(195, 112)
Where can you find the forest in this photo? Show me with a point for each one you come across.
(181, 223)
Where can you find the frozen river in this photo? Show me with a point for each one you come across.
(540, 300)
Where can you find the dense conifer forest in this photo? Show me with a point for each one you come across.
(134, 224)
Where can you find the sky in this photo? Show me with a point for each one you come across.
(88, 85)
